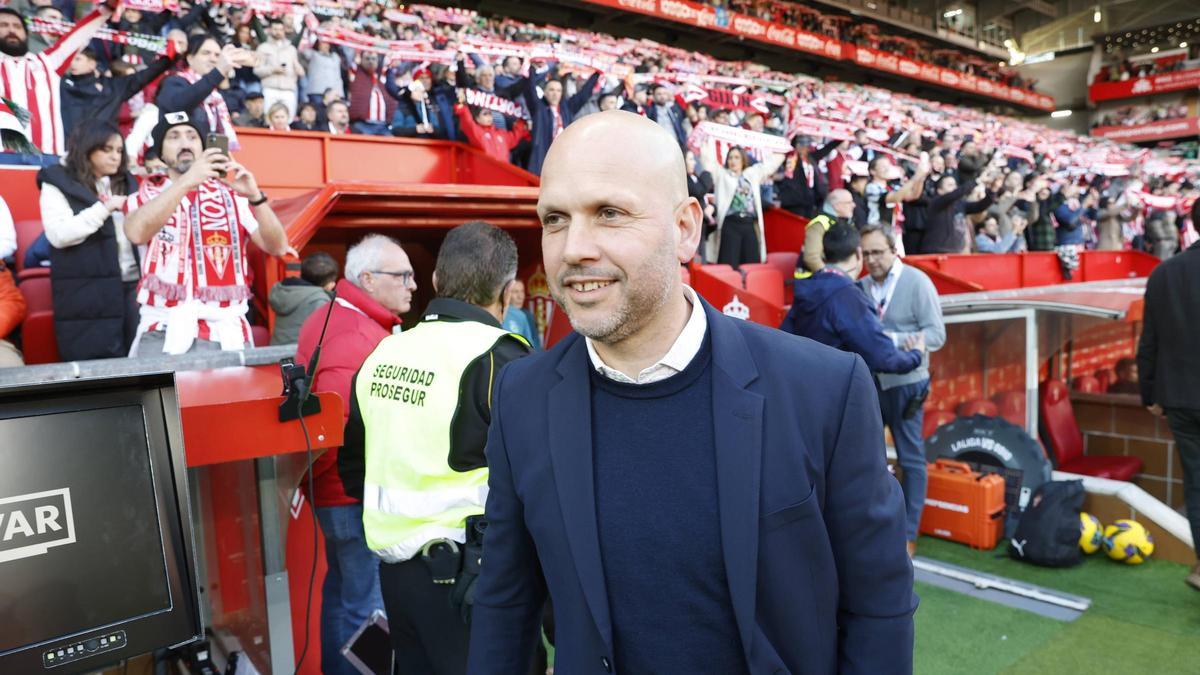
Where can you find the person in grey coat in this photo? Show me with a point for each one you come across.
(907, 303)
(295, 298)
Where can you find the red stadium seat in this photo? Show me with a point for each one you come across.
(725, 273)
(980, 406)
(1011, 405)
(784, 261)
(260, 336)
(786, 264)
(1106, 376)
(1066, 442)
(27, 232)
(1087, 384)
(37, 332)
(766, 283)
(933, 420)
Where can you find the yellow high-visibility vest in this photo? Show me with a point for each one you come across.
(826, 222)
(408, 393)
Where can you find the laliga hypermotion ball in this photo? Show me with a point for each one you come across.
(1128, 542)
(1091, 532)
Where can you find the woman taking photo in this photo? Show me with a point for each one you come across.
(94, 270)
(739, 235)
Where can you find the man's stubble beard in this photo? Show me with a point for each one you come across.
(636, 305)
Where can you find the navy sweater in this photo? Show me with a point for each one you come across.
(659, 527)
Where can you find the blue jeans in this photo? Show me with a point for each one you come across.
(371, 128)
(910, 448)
(351, 590)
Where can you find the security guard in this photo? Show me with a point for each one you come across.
(419, 415)
(838, 208)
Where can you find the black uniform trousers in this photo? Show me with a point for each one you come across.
(429, 636)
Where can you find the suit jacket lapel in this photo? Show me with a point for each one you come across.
(570, 420)
(737, 427)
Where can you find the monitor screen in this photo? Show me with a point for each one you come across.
(80, 541)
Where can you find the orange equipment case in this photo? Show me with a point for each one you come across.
(963, 505)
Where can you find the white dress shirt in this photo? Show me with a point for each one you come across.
(686, 346)
(881, 293)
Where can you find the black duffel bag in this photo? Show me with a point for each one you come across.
(1048, 531)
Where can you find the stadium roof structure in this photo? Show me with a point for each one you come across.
(1114, 299)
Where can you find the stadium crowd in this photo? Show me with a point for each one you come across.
(1126, 68)
(944, 179)
(133, 114)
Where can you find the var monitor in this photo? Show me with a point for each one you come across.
(96, 554)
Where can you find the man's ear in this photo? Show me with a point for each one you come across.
(435, 284)
(689, 219)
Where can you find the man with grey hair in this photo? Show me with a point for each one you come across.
(367, 305)
(907, 303)
(419, 413)
(694, 492)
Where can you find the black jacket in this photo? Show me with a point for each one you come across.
(543, 119)
(90, 308)
(100, 98)
(468, 430)
(940, 217)
(794, 193)
(176, 94)
(1168, 361)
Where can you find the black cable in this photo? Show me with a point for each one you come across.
(312, 508)
(308, 383)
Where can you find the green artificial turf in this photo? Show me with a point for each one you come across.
(960, 634)
(1143, 619)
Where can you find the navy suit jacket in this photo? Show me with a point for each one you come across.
(812, 523)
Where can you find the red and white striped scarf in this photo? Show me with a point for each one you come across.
(219, 121)
(200, 253)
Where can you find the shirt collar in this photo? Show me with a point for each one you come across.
(677, 358)
(892, 275)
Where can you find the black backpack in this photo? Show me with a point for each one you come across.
(1048, 531)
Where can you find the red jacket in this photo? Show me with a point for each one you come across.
(352, 335)
(497, 143)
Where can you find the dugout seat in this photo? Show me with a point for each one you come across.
(979, 406)
(1062, 435)
(933, 420)
(1087, 384)
(1011, 406)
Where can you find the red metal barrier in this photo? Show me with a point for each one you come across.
(1022, 270)
(296, 162)
(783, 231)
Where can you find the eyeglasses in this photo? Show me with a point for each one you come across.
(876, 254)
(404, 277)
